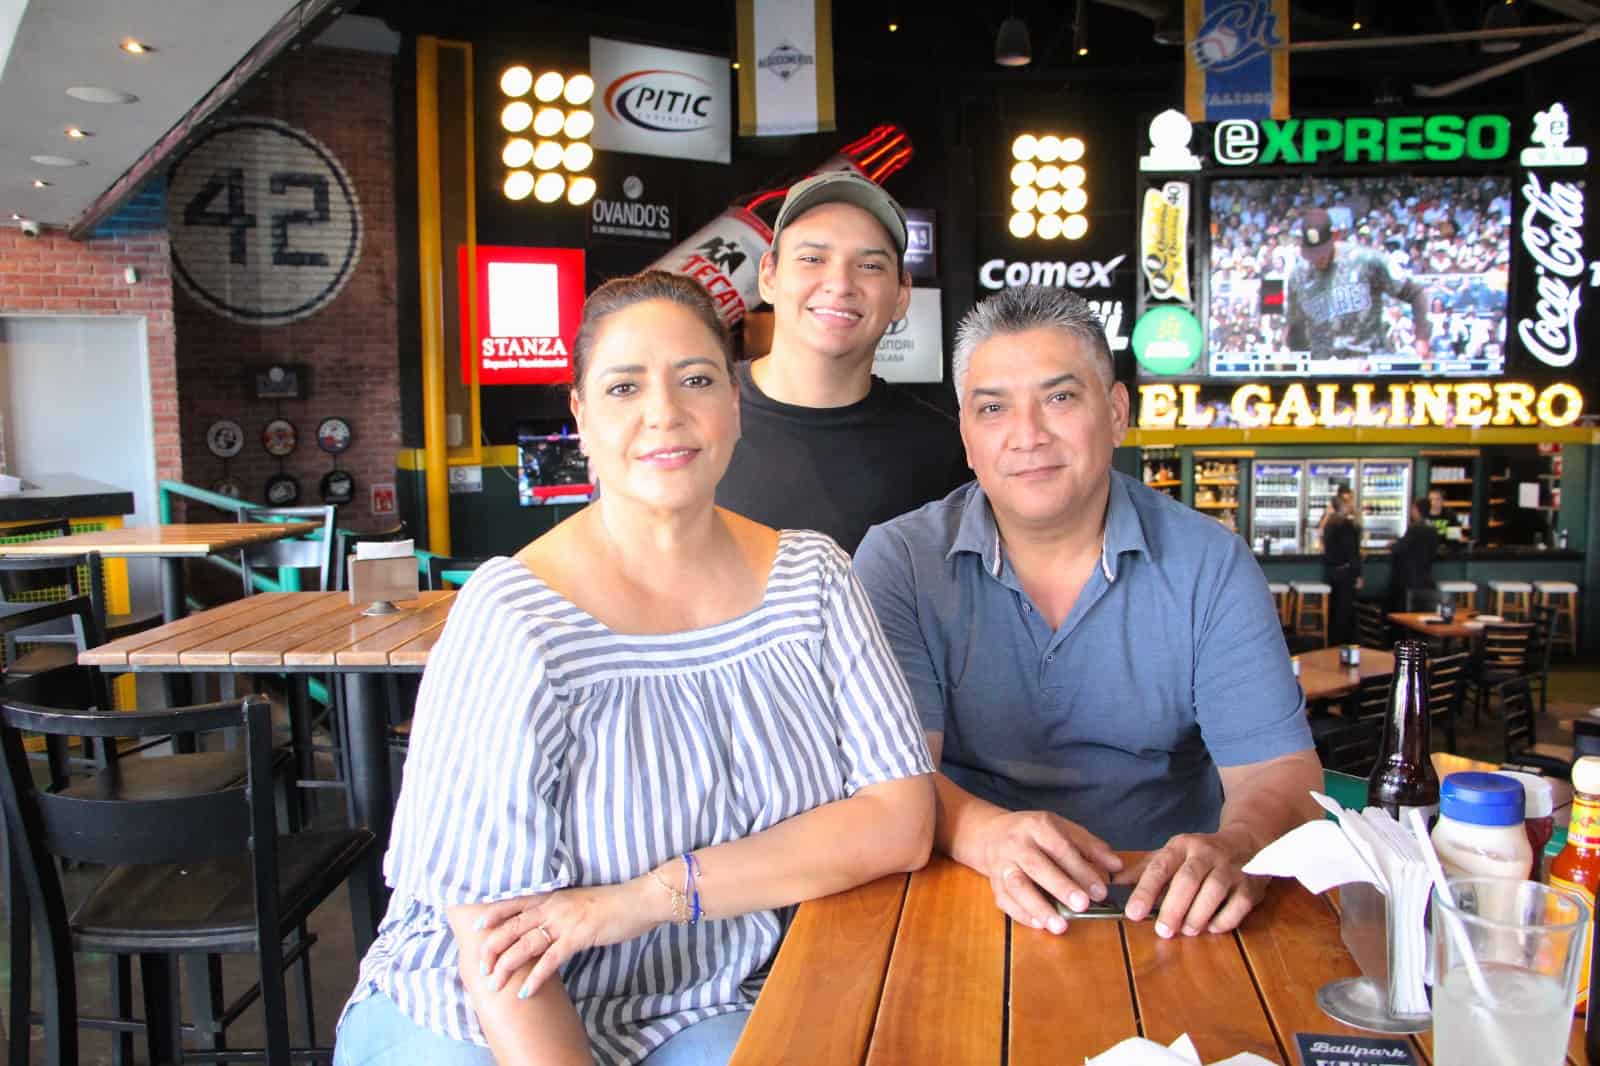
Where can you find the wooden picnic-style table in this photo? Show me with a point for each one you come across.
(926, 969)
(306, 633)
(172, 544)
(1324, 677)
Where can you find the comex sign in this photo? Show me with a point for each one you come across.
(997, 274)
(1396, 139)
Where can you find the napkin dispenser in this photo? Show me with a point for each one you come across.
(381, 574)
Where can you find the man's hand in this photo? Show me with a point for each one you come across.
(1034, 858)
(1206, 888)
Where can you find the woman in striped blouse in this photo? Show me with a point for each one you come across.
(638, 743)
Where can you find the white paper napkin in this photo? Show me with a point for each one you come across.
(1137, 1051)
(384, 549)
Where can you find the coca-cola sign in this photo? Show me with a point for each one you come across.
(1552, 234)
(1552, 222)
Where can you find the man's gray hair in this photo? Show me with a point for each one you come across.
(1024, 308)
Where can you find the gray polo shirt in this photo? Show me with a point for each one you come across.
(1171, 663)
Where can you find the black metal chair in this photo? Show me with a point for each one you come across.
(1447, 687)
(1422, 600)
(193, 868)
(312, 551)
(1502, 654)
(1539, 646)
(446, 568)
(1349, 742)
(27, 580)
(1522, 745)
(1372, 626)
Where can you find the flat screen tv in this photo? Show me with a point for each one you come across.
(1340, 276)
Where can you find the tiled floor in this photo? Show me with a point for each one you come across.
(334, 962)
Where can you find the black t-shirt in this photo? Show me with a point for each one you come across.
(840, 469)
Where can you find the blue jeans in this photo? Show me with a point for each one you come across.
(375, 1033)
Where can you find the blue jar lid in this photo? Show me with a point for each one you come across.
(1481, 798)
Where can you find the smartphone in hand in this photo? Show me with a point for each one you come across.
(1111, 907)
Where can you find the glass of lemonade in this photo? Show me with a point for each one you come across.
(1530, 942)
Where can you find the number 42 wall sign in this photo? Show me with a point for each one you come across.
(265, 223)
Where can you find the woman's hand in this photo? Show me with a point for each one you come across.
(554, 927)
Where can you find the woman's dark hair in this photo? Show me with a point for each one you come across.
(619, 294)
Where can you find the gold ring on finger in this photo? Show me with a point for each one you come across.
(1010, 871)
(549, 941)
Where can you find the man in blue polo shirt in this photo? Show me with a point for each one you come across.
(1096, 665)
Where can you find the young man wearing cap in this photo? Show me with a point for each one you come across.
(824, 444)
(1336, 295)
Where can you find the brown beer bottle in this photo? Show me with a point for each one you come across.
(1403, 776)
(1577, 868)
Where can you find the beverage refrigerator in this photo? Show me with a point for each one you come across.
(1275, 504)
(1323, 476)
(1385, 501)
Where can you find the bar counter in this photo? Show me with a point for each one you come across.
(64, 496)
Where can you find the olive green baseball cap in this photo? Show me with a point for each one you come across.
(844, 186)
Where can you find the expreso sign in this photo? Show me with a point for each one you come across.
(1395, 139)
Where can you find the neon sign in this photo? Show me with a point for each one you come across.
(1552, 235)
(1465, 404)
(1396, 139)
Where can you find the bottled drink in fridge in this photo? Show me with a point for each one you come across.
(1403, 777)
(725, 254)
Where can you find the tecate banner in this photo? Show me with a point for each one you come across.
(912, 348)
(660, 101)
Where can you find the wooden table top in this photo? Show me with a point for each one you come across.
(311, 632)
(191, 539)
(917, 970)
(1323, 676)
(1465, 627)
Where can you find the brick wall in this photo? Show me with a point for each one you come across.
(344, 100)
(50, 274)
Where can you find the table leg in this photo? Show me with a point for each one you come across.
(179, 691)
(366, 723)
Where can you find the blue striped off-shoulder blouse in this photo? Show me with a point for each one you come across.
(549, 751)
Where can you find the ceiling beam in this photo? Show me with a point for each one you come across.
(1434, 92)
(301, 23)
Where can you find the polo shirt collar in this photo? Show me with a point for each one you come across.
(979, 534)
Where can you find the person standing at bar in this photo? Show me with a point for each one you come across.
(1096, 665)
(1412, 557)
(1341, 564)
(827, 445)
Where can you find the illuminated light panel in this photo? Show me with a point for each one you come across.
(1049, 227)
(549, 121)
(548, 155)
(580, 191)
(1074, 200)
(1049, 201)
(518, 152)
(1049, 149)
(516, 117)
(135, 48)
(1023, 173)
(580, 89)
(1024, 198)
(1072, 149)
(579, 125)
(519, 183)
(1047, 176)
(549, 187)
(549, 85)
(1074, 227)
(1074, 176)
(516, 81)
(1024, 147)
(1021, 224)
(577, 157)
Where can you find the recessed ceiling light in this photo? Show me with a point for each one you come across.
(135, 48)
(57, 161)
(40, 183)
(91, 94)
(15, 217)
(77, 134)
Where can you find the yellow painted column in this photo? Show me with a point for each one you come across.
(430, 268)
